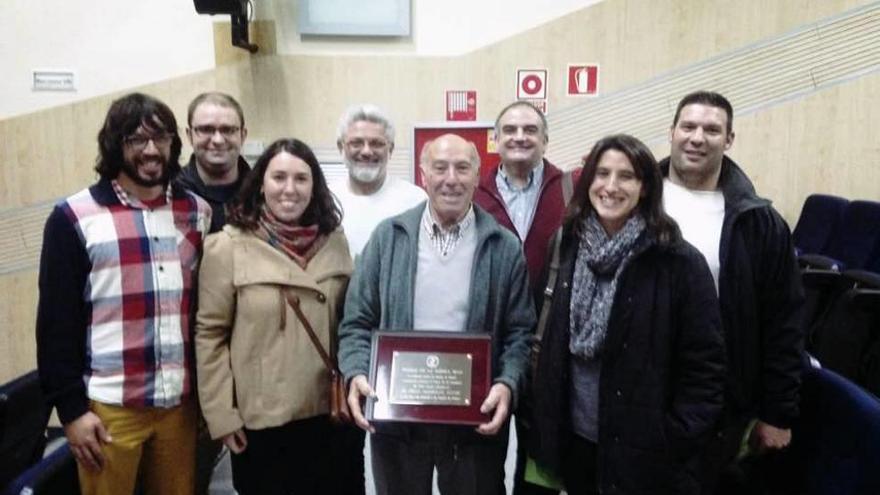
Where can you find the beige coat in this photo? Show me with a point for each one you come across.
(256, 365)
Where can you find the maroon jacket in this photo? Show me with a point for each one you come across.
(548, 214)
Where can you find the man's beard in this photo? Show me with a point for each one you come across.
(131, 171)
(365, 173)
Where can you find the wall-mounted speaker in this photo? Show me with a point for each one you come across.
(238, 11)
(212, 7)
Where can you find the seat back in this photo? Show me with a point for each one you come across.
(836, 442)
(54, 474)
(819, 218)
(857, 235)
(24, 416)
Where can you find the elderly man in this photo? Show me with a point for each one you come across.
(114, 335)
(366, 140)
(216, 169)
(750, 254)
(444, 265)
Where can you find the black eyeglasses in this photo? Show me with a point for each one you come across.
(204, 131)
(139, 141)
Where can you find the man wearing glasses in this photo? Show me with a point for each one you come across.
(216, 170)
(365, 139)
(114, 342)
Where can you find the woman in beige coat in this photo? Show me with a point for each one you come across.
(263, 386)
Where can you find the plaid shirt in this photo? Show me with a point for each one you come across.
(445, 240)
(133, 267)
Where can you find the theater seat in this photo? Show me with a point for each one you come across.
(23, 420)
(853, 243)
(819, 218)
(53, 475)
(836, 443)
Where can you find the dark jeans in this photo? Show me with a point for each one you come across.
(405, 466)
(348, 452)
(299, 457)
(579, 470)
(207, 453)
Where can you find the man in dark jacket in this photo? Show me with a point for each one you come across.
(216, 170)
(748, 247)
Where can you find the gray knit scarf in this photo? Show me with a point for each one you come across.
(598, 256)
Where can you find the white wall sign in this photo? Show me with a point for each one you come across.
(531, 83)
(54, 80)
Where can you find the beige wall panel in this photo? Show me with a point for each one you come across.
(18, 350)
(636, 40)
(824, 143)
(820, 143)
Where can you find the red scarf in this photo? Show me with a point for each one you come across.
(300, 243)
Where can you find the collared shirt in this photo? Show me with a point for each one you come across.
(445, 240)
(142, 256)
(521, 201)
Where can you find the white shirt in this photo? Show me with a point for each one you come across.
(700, 216)
(362, 213)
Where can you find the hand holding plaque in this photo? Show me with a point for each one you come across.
(358, 391)
(430, 377)
(497, 403)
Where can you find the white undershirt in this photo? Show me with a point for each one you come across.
(700, 215)
(361, 213)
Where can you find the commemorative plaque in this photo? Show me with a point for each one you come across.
(429, 377)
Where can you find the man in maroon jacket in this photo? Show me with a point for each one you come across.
(527, 194)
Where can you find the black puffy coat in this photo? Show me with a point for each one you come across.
(761, 296)
(662, 373)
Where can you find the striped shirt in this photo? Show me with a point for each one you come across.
(521, 202)
(141, 259)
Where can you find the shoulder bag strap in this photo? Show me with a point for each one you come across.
(293, 300)
(548, 290)
(567, 186)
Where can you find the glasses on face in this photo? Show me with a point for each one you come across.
(139, 141)
(207, 131)
(357, 144)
